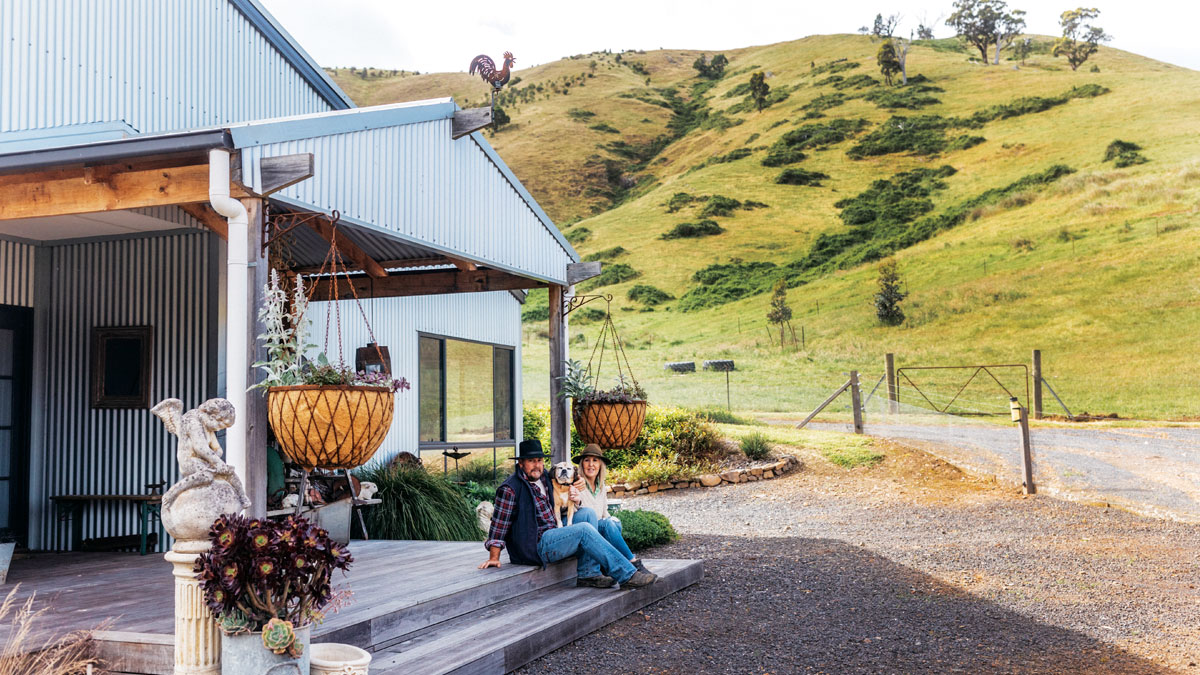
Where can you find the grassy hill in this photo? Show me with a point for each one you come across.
(1010, 228)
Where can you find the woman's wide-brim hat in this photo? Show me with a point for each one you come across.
(592, 450)
(530, 449)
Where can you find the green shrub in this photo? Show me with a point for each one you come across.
(418, 505)
(860, 81)
(920, 135)
(605, 127)
(535, 421)
(703, 228)
(1124, 153)
(606, 254)
(834, 67)
(649, 295)
(580, 115)
(611, 274)
(719, 206)
(964, 142)
(825, 102)
(832, 79)
(679, 200)
(674, 435)
(537, 306)
(801, 177)
(911, 97)
(732, 156)
(479, 470)
(643, 529)
(577, 235)
(475, 493)
(782, 156)
(820, 135)
(756, 446)
(724, 416)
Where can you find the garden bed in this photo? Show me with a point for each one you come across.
(746, 473)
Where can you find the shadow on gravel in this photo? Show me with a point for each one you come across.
(781, 605)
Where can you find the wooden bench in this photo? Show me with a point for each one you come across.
(70, 509)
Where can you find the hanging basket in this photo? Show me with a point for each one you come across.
(609, 425)
(329, 427)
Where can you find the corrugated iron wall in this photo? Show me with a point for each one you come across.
(415, 180)
(16, 273)
(155, 65)
(484, 317)
(163, 282)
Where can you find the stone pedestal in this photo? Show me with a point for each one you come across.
(197, 638)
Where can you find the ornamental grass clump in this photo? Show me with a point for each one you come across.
(273, 576)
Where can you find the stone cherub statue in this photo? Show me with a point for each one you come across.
(208, 487)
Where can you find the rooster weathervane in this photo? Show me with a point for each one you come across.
(487, 69)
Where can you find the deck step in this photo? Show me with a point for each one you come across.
(506, 635)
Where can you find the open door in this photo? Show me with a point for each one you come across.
(16, 359)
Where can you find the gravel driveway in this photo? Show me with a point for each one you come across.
(909, 566)
(1154, 471)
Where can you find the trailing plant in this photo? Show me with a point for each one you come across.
(643, 529)
(578, 385)
(271, 576)
(418, 505)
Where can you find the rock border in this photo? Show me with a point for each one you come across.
(732, 476)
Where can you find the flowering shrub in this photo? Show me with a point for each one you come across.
(261, 573)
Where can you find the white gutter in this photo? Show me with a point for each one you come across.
(236, 310)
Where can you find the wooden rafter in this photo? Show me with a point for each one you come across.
(432, 282)
(433, 261)
(348, 248)
(464, 265)
(102, 188)
(210, 218)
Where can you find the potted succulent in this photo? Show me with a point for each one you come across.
(323, 416)
(267, 582)
(611, 418)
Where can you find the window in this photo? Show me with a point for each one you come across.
(121, 367)
(466, 393)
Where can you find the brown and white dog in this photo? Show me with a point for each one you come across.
(564, 477)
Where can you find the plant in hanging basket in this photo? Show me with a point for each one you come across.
(270, 576)
(611, 418)
(323, 415)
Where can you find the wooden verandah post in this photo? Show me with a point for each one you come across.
(560, 408)
(256, 402)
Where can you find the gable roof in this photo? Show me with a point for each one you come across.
(304, 64)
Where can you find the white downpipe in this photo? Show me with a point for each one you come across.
(236, 311)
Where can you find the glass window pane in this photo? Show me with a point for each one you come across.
(429, 389)
(5, 452)
(6, 402)
(6, 351)
(4, 497)
(502, 386)
(468, 391)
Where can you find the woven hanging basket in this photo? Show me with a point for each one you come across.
(609, 425)
(329, 427)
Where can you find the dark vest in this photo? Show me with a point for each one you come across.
(522, 538)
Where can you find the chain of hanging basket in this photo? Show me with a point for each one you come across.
(610, 425)
(608, 331)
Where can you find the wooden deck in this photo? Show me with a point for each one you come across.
(412, 602)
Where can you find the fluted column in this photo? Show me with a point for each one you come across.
(197, 638)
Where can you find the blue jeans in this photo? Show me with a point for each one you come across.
(609, 528)
(582, 539)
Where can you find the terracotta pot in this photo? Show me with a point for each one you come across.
(609, 425)
(329, 427)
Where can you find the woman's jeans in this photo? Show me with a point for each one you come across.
(609, 528)
(582, 539)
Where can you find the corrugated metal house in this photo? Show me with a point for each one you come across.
(113, 117)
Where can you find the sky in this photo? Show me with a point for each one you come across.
(438, 37)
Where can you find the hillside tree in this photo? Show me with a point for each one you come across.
(887, 300)
(983, 23)
(712, 70)
(1008, 28)
(1022, 49)
(889, 62)
(779, 311)
(885, 27)
(925, 27)
(759, 89)
(1079, 40)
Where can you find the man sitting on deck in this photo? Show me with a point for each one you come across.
(523, 522)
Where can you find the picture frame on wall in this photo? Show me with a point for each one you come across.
(120, 366)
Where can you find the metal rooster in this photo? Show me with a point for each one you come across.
(487, 69)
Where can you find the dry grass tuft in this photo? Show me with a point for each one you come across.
(21, 655)
(1080, 181)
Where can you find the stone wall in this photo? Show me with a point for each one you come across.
(747, 475)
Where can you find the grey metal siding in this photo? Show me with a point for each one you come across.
(158, 281)
(156, 65)
(415, 181)
(484, 317)
(16, 273)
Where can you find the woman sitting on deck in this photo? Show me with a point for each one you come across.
(593, 467)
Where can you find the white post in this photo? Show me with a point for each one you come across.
(197, 638)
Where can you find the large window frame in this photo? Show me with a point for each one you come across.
(509, 353)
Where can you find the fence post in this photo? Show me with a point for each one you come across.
(1026, 455)
(890, 365)
(856, 402)
(1037, 384)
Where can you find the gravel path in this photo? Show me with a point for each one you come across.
(907, 567)
(1154, 471)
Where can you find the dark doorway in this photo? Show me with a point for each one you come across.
(16, 359)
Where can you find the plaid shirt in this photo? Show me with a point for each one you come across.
(506, 506)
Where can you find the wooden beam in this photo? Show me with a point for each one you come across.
(210, 218)
(433, 282)
(470, 120)
(348, 248)
(276, 173)
(577, 272)
(64, 192)
(433, 261)
(464, 265)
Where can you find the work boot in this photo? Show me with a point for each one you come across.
(637, 562)
(638, 580)
(598, 581)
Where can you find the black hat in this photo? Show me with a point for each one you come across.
(592, 450)
(530, 449)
